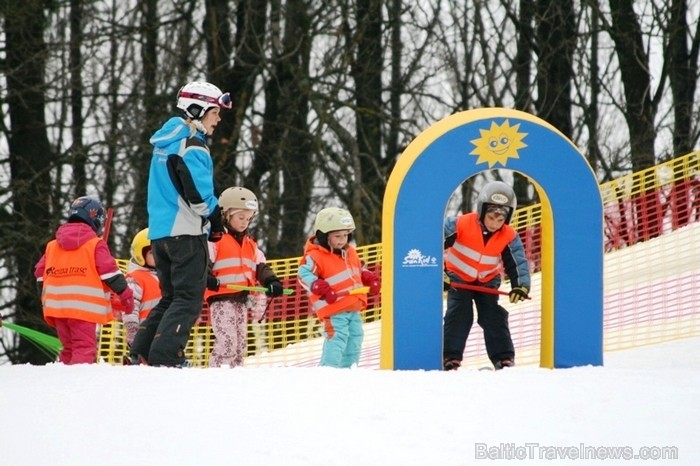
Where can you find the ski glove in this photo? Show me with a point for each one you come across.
(217, 230)
(371, 280)
(117, 308)
(213, 283)
(126, 299)
(446, 281)
(517, 294)
(321, 288)
(274, 288)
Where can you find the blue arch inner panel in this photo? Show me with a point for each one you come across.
(563, 174)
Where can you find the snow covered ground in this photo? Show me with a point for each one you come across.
(643, 403)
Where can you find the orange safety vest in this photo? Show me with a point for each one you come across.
(73, 288)
(343, 273)
(150, 287)
(469, 257)
(235, 265)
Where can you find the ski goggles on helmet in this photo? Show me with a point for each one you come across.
(224, 100)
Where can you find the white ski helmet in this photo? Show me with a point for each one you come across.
(238, 198)
(197, 97)
(498, 195)
(332, 219)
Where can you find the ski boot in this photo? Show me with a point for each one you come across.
(451, 364)
(506, 362)
(134, 360)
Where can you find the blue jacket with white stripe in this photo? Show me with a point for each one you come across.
(181, 194)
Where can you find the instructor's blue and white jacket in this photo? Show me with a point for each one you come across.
(181, 182)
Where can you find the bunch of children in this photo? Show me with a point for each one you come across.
(167, 280)
(202, 251)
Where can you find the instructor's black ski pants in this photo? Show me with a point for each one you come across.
(181, 264)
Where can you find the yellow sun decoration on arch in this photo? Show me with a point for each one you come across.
(498, 143)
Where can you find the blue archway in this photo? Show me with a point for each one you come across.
(425, 176)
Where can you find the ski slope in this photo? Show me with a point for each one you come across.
(643, 402)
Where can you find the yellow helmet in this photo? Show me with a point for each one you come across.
(332, 219)
(138, 244)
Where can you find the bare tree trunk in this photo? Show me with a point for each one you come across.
(152, 104)
(217, 34)
(284, 154)
(367, 72)
(556, 40)
(683, 76)
(113, 111)
(634, 70)
(592, 114)
(30, 160)
(683, 71)
(396, 88)
(249, 47)
(640, 112)
(523, 86)
(296, 151)
(76, 93)
(523, 58)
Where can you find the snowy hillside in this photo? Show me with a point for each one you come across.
(643, 402)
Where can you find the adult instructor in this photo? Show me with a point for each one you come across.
(182, 212)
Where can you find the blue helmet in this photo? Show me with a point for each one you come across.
(88, 210)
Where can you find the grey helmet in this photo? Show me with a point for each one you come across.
(498, 195)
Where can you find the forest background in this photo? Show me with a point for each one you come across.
(327, 94)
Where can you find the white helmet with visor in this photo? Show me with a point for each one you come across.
(498, 198)
(197, 97)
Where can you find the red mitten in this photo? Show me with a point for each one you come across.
(371, 280)
(321, 288)
(126, 298)
(117, 308)
(116, 303)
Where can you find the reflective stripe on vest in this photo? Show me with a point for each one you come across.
(74, 297)
(345, 280)
(235, 264)
(341, 273)
(469, 257)
(150, 289)
(73, 287)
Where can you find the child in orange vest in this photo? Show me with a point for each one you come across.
(329, 269)
(478, 247)
(236, 261)
(143, 281)
(77, 272)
